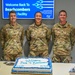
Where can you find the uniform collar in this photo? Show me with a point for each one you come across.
(13, 25)
(64, 26)
(37, 25)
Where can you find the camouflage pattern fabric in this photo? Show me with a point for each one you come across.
(38, 37)
(12, 41)
(62, 58)
(63, 38)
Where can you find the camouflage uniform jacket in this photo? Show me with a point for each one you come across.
(12, 38)
(38, 37)
(63, 39)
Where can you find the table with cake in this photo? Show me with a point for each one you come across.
(40, 67)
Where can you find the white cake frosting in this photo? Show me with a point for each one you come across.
(31, 62)
(34, 65)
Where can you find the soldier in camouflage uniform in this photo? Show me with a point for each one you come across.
(38, 35)
(12, 35)
(63, 38)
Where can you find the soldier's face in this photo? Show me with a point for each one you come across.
(12, 17)
(62, 16)
(38, 17)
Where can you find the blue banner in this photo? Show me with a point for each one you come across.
(26, 9)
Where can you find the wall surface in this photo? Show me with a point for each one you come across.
(68, 5)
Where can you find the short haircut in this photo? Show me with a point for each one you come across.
(12, 12)
(63, 11)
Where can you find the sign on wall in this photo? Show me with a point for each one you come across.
(26, 9)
